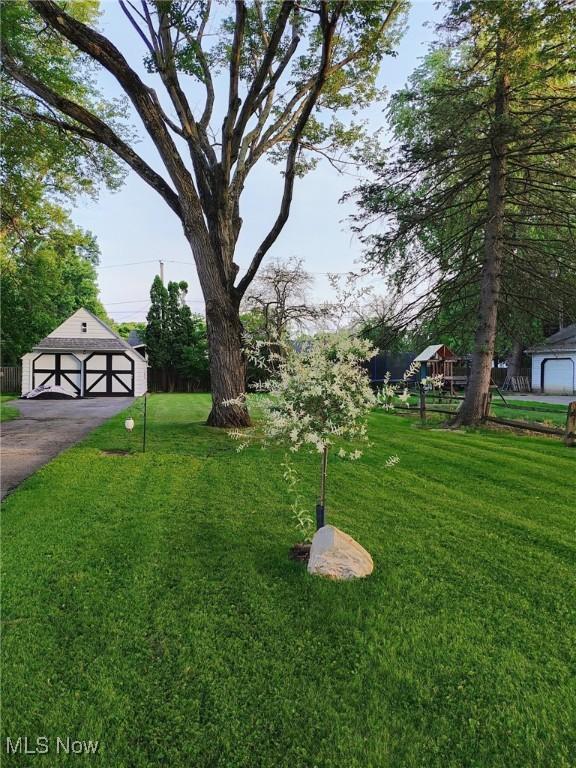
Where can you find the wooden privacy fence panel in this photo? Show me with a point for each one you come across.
(161, 381)
(11, 379)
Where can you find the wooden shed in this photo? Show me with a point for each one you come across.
(87, 359)
(438, 360)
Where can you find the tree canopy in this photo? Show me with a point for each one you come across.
(48, 264)
(478, 198)
(292, 72)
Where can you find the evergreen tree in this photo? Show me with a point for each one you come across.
(177, 340)
(479, 196)
(156, 332)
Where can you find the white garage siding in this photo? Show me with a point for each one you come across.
(140, 376)
(27, 372)
(554, 374)
(73, 327)
(87, 358)
(32, 376)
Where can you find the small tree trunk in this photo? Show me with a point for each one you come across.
(514, 361)
(472, 411)
(227, 364)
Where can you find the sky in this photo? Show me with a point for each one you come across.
(136, 229)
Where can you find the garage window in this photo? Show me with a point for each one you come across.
(84, 327)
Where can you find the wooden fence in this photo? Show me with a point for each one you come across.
(434, 402)
(11, 379)
(160, 381)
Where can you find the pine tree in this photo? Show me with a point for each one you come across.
(177, 340)
(479, 197)
(155, 335)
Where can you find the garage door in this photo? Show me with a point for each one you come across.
(108, 374)
(64, 370)
(558, 376)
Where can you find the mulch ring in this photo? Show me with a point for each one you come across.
(300, 551)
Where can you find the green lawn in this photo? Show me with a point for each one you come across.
(8, 412)
(550, 414)
(149, 603)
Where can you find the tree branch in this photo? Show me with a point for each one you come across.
(98, 47)
(97, 130)
(328, 26)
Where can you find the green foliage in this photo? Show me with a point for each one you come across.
(123, 329)
(432, 192)
(39, 159)
(47, 262)
(173, 611)
(362, 40)
(156, 337)
(47, 272)
(176, 339)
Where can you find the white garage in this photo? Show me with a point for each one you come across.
(87, 359)
(554, 363)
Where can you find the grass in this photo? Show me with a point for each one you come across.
(550, 414)
(8, 412)
(149, 603)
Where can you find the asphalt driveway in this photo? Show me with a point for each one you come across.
(45, 428)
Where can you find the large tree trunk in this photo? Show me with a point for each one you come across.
(227, 364)
(216, 273)
(514, 361)
(472, 410)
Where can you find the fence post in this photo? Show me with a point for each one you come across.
(487, 402)
(570, 436)
(422, 404)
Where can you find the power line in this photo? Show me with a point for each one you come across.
(127, 264)
(144, 301)
(191, 264)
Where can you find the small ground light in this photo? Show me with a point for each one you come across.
(129, 424)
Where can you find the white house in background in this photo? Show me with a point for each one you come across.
(554, 363)
(87, 358)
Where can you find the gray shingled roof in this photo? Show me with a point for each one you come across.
(564, 339)
(82, 343)
(564, 334)
(135, 339)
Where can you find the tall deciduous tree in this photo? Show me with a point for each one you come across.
(291, 67)
(48, 264)
(480, 198)
(280, 295)
(47, 271)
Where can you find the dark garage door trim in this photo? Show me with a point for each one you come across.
(57, 371)
(110, 374)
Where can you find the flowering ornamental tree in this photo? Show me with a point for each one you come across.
(317, 399)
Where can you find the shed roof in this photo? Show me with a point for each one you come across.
(112, 343)
(135, 339)
(82, 343)
(434, 350)
(564, 339)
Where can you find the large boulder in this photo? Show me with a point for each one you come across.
(336, 555)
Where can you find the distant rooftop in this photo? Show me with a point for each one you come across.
(135, 339)
(562, 340)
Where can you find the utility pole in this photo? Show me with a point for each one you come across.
(162, 271)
